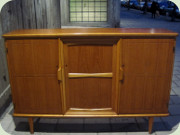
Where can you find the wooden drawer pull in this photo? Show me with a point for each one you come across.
(82, 75)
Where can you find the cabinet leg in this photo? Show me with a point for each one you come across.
(151, 119)
(31, 125)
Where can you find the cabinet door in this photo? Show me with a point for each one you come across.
(89, 74)
(147, 65)
(33, 66)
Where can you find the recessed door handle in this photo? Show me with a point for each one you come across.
(121, 74)
(59, 74)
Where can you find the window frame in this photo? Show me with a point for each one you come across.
(65, 16)
(93, 12)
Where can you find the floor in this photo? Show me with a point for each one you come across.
(111, 126)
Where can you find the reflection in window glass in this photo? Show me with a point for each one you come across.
(88, 10)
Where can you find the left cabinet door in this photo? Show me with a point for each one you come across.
(33, 65)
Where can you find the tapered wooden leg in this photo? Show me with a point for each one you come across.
(151, 119)
(31, 125)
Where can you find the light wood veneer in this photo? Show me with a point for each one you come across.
(95, 72)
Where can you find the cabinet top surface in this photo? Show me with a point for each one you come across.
(68, 32)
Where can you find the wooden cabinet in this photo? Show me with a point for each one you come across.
(97, 72)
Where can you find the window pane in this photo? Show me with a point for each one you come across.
(97, 15)
(104, 4)
(103, 15)
(98, 4)
(91, 15)
(97, 19)
(79, 20)
(85, 14)
(78, 9)
(85, 19)
(91, 4)
(104, 19)
(73, 15)
(88, 10)
(73, 20)
(103, 8)
(79, 15)
(79, 4)
(97, 8)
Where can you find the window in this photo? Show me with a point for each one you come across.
(88, 10)
(90, 13)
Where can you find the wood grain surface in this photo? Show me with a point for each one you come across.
(147, 75)
(130, 32)
(101, 72)
(86, 61)
(33, 66)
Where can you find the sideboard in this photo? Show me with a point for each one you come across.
(90, 72)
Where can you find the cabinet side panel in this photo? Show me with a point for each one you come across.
(165, 65)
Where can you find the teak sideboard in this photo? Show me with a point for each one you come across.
(90, 72)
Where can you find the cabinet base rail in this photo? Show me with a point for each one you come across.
(32, 116)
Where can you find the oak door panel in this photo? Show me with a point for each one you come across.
(39, 95)
(89, 92)
(33, 57)
(147, 65)
(33, 65)
(90, 59)
(21, 57)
